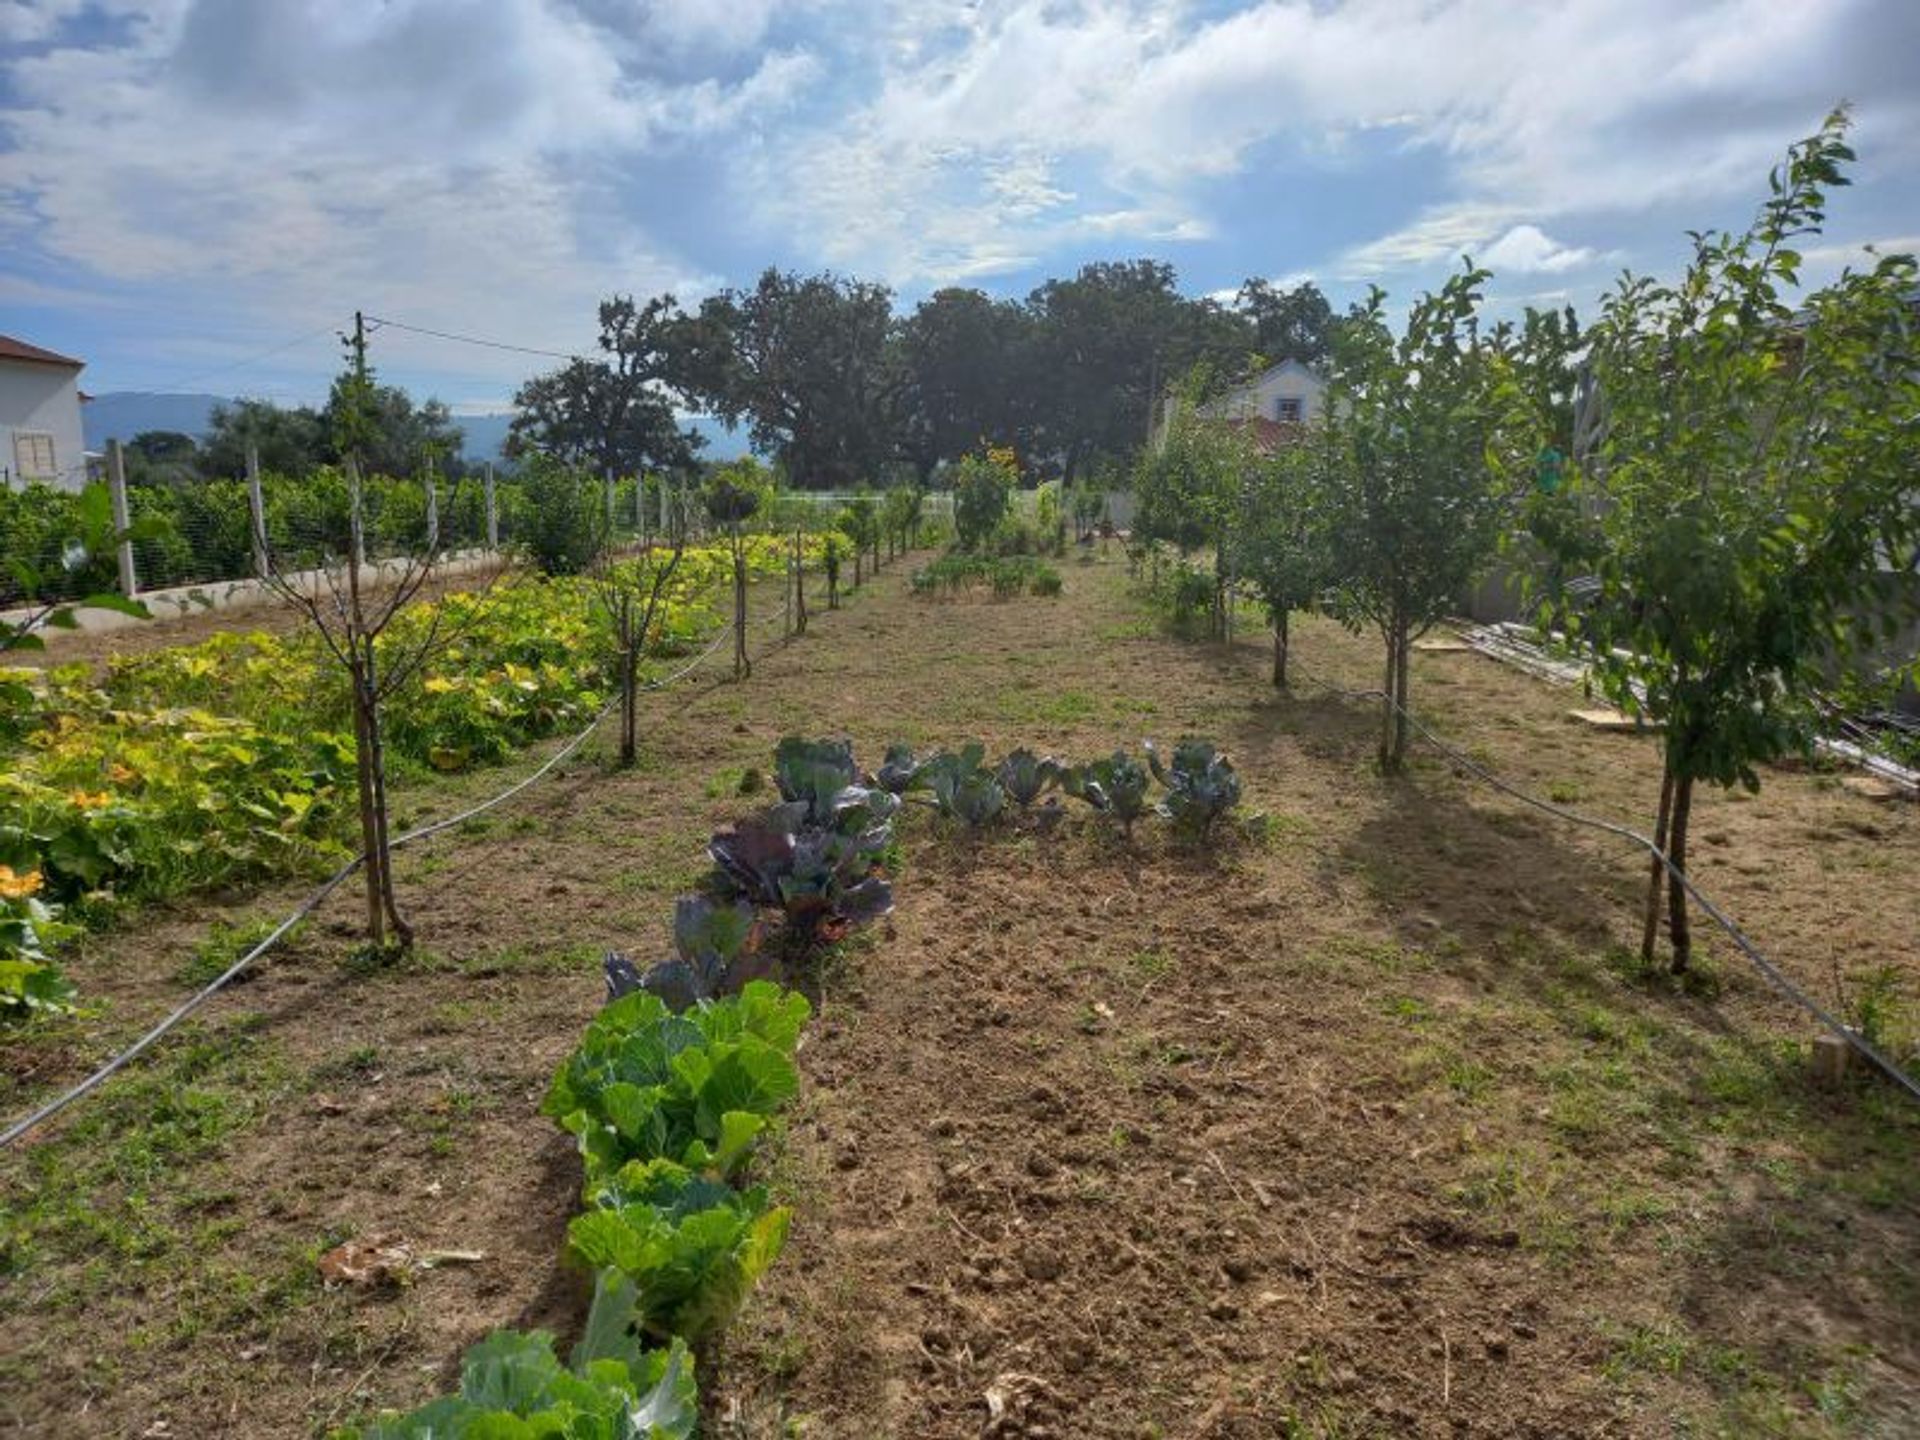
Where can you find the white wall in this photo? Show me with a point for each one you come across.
(1289, 380)
(45, 398)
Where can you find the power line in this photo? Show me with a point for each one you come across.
(377, 322)
(281, 349)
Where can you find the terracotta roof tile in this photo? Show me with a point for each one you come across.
(12, 349)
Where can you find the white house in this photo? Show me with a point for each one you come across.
(1267, 407)
(40, 434)
(1289, 393)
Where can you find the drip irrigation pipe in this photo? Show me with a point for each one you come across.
(1766, 967)
(333, 882)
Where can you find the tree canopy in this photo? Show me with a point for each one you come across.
(1741, 525)
(615, 413)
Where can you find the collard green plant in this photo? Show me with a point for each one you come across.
(1026, 776)
(1201, 786)
(693, 1247)
(1116, 786)
(823, 776)
(697, 1088)
(814, 771)
(963, 788)
(513, 1386)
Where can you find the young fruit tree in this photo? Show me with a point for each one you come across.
(630, 586)
(1419, 433)
(900, 512)
(983, 487)
(1745, 523)
(735, 494)
(1279, 537)
(352, 578)
(859, 522)
(1190, 488)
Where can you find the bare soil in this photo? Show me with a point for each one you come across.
(1359, 1120)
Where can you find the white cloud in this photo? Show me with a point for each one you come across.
(1440, 236)
(1860, 252)
(452, 164)
(497, 168)
(1528, 250)
(1543, 115)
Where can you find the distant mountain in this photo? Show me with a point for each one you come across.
(125, 414)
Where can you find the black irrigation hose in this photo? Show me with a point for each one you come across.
(1766, 967)
(311, 903)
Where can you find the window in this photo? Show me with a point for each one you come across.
(1287, 409)
(33, 455)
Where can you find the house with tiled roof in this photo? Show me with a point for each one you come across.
(40, 434)
(1271, 408)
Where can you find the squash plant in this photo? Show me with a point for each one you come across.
(30, 983)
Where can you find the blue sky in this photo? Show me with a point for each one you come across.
(185, 186)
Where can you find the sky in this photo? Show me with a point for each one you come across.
(196, 195)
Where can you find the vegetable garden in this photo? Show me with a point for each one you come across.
(1053, 1037)
(1017, 1077)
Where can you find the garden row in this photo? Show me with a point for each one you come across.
(1708, 492)
(232, 759)
(676, 1082)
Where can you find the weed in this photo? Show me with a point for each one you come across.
(223, 945)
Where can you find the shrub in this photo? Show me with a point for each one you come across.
(982, 493)
(560, 520)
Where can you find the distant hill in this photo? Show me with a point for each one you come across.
(124, 414)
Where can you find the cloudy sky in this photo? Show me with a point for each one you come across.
(188, 185)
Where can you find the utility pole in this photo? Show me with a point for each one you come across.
(354, 429)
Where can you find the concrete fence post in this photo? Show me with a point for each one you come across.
(122, 518)
(493, 513)
(257, 512)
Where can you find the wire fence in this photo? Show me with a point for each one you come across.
(174, 1018)
(196, 532)
(1770, 972)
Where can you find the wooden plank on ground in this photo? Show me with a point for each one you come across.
(1872, 787)
(1603, 718)
(1440, 645)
